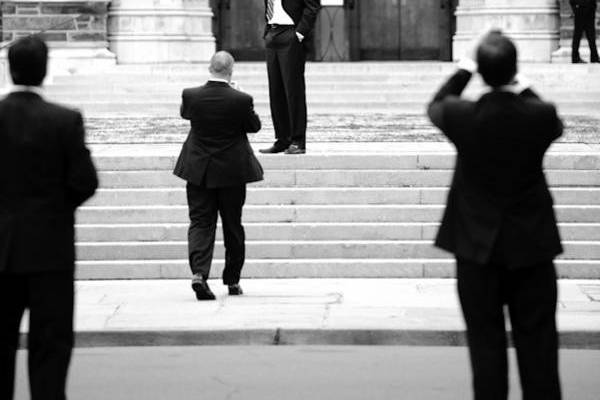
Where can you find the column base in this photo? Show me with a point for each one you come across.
(563, 54)
(150, 49)
(531, 48)
(66, 61)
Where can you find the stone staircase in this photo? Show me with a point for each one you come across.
(344, 209)
(326, 214)
(384, 87)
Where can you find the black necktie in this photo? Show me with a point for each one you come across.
(270, 9)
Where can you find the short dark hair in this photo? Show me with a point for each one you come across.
(28, 60)
(497, 59)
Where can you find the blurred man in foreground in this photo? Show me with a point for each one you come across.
(499, 220)
(45, 173)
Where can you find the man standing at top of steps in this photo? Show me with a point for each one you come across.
(217, 161)
(288, 33)
(585, 22)
(45, 173)
(499, 220)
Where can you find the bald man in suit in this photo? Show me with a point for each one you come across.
(217, 162)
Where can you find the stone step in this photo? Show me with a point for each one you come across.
(320, 196)
(306, 213)
(308, 268)
(254, 86)
(299, 249)
(298, 231)
(165, 157)
(341, 74)
(365, 67)
(559, 96)
(350, 106)
(335, 178)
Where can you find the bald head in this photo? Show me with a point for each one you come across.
(221, 65)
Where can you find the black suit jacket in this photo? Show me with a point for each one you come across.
(303, 13)
(588, 4)
(45, 173)
(499, 205)
(216, 152)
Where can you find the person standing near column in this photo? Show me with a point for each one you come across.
(585, 22)
(289, 28)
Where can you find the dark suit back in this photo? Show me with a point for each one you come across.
(45, 173)
(590, 4)
(499, 204)
(217, 152)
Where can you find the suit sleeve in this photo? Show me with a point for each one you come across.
(309, 17)
(556, 126)
(252, 122)
(446, 99)
(183, 109)
(81, 177)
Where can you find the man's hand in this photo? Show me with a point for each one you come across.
(235, 85)
(469, 60)
(300, 37)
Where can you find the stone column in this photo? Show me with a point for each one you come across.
(75, 31)
(563, 54)
(534, 25)
(159, 31)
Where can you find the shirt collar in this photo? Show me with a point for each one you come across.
(218, 80)
(29, 89)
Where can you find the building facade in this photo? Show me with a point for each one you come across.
(97, 33)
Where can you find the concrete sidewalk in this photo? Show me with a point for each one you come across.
(301, 311)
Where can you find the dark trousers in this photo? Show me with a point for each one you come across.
(286, 59)
(49, 298)
(584, 23)
(204, 206)
(530, 294)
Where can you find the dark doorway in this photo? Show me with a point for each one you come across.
(372, 29)
(238, 27)
(401, 29)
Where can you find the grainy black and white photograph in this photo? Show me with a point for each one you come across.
(299, 200)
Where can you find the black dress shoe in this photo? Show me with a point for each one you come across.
(295, 149)
(235, 290)
(579, 61)
(273, 149)
(202, 290)
(595, 61)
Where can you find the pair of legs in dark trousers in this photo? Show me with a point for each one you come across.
(49, 298)
(204, 206)
(530, 294)
(286, 59)
(585, 19)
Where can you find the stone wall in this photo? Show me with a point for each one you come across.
(534, 25)
(68, 23)
(161, 31)
(76, 31)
